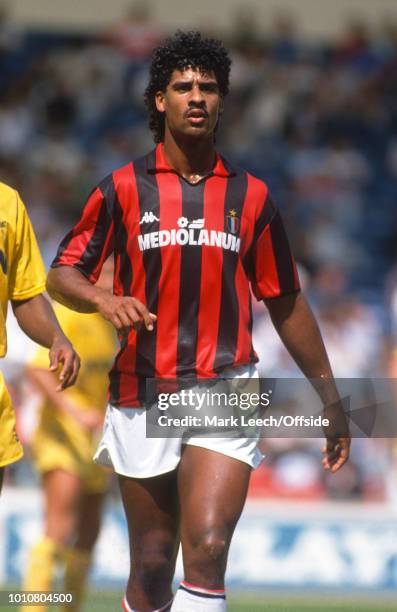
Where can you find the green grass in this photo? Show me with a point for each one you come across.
(109, 602)
(106, 601)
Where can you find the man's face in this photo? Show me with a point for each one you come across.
(191, 102)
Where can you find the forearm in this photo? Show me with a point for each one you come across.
(66, 285)
(298, 329)
(37, 319)
(72, 289)
(46, 382)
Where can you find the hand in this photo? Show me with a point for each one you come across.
(62, 352)
(337, 447)
(126, 312)
(336, 454)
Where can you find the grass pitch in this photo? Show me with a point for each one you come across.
(111, 602)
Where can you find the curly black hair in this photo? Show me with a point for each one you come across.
(180, 51)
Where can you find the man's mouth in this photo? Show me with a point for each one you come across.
(196, 115)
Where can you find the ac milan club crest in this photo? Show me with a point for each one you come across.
(233, 222)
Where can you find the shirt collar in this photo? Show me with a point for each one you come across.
(157, 162)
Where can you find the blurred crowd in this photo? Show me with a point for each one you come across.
(317, 121)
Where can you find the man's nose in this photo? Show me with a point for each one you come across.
(196, 95)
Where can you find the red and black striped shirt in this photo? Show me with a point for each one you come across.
(190, 253)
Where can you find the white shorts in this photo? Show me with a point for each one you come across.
(125, 447)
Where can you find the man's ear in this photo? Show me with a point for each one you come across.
(159, 100)
(221, 106)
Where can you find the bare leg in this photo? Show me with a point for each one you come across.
(212, 492)
(152, 511)
(62, 494)
(78, 558)
(89, 520)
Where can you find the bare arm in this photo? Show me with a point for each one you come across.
(37, 319)
(46, 383)
(71, 288)
(297, 327)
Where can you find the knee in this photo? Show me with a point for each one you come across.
(213, 546)
(62, 530)
(205, 559)
(209, 546)
(154, 564)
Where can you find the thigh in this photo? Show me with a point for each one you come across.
(152, 511)
(212, 491)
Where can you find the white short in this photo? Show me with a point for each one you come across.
(125, 447)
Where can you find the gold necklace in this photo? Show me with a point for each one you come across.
(194, 178)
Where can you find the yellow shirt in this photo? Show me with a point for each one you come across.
(94, 340)
(60, 441)
(22, 272)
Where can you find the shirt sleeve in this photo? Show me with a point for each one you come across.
(274, 272)
(87, 246)
(27, 275)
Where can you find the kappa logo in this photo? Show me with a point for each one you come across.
(148, 217)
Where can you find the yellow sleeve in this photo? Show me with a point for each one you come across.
(27, 273)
